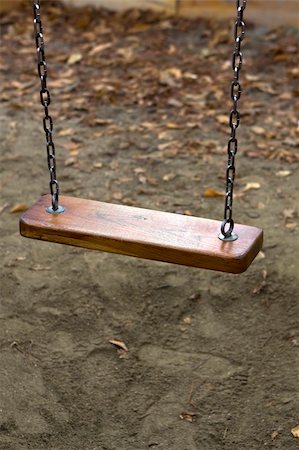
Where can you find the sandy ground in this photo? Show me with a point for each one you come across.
(212, 360)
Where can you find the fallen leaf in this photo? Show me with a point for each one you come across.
(74, 58)
(264, 87)
(19, 207)
(295, 431)
(122, 354)
(169, 176)
(102, 122)
(188, 416)
(149, 125)
(2, 208)
(119, 344)
(171, 153)
(274, 435)
(251, 77)
(117, 195)
(291, 225)
(98, 165)
(66, 132)
(70, 161)
(139, 27)
(190, 76)
(210, 192)
(262, 285)
(174, 102)
(20, 258)
(142, 179)
(260, 255)
(187, 320)
(40, 268)
(283, 173)
(99, 48)
(138, 170)
(223, 119)
(71, 146)
(127, 53)
(258, 130)
(169, 77)
(289, 213)
(173, 126)
(251, 185)
(294, 72)
(102, 88)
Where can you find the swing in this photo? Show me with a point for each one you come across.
(138, 232)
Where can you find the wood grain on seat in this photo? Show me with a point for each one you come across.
(142, 233)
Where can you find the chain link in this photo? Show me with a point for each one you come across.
(227, 225)
(45, 100)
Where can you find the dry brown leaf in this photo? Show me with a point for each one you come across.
(274, 435)
(119, 344)
(142, 179)
(223, 119)
(71, 146)
(295, 431)
(99, 48)
(20, 258)
(210, 192)
(139, 170)
(171, 152)
(139, 27)
(165, 135)
(260, 255)
(294, 72)
(117, 195)
(2, 208)
(175, 72)
(127, 53)
(258, 289)
(66, 132)
(74, 152)
(251, 77)
(74, 58)
(265, 87)
(97, 165)
(40, 268)
(251, 185)
(283, 173)
(291, 225)
(164, 145)
(258, 130)
(187, 320)
(169, 176)
(149, 125)
(174, 102)
(169, 77)
(70, 161)
(102, 122)
(19, 207)
(173, 126)
(289, 213)
(188, 416)
(190, 76)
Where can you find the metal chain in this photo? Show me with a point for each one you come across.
(45, 101)
(227, 225)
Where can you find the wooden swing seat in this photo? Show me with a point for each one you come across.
(143, 233)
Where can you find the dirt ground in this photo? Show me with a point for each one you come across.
(140, 107)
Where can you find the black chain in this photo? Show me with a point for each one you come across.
(227, 225)
(45, 101)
